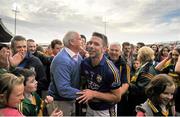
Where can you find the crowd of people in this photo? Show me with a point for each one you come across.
(73, 77)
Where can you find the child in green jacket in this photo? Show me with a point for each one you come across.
(33, 105)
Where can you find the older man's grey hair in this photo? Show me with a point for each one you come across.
(69, 36)
(115, 43)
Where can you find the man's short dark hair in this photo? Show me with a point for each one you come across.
(141, 44)
(126, 44)
(83, 36)
(30, 40)
(17, 38)
(54, 42)
(102, 36)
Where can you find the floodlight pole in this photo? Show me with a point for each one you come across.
(105, 27)
(15, 15)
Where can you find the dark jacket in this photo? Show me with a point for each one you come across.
(33, 63)
(138, 83)
(46, 61)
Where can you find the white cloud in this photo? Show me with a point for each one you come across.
(131, 20)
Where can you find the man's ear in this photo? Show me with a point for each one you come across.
(71, 42)
(104, 49)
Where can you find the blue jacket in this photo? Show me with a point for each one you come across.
(65, 77)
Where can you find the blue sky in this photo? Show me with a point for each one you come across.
(171, 15)
(148, 21)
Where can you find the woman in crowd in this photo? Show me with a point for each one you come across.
(167, 66)
(11, 94)
(141, 78)
(160, 97)
(156, 51)
(163, 53)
